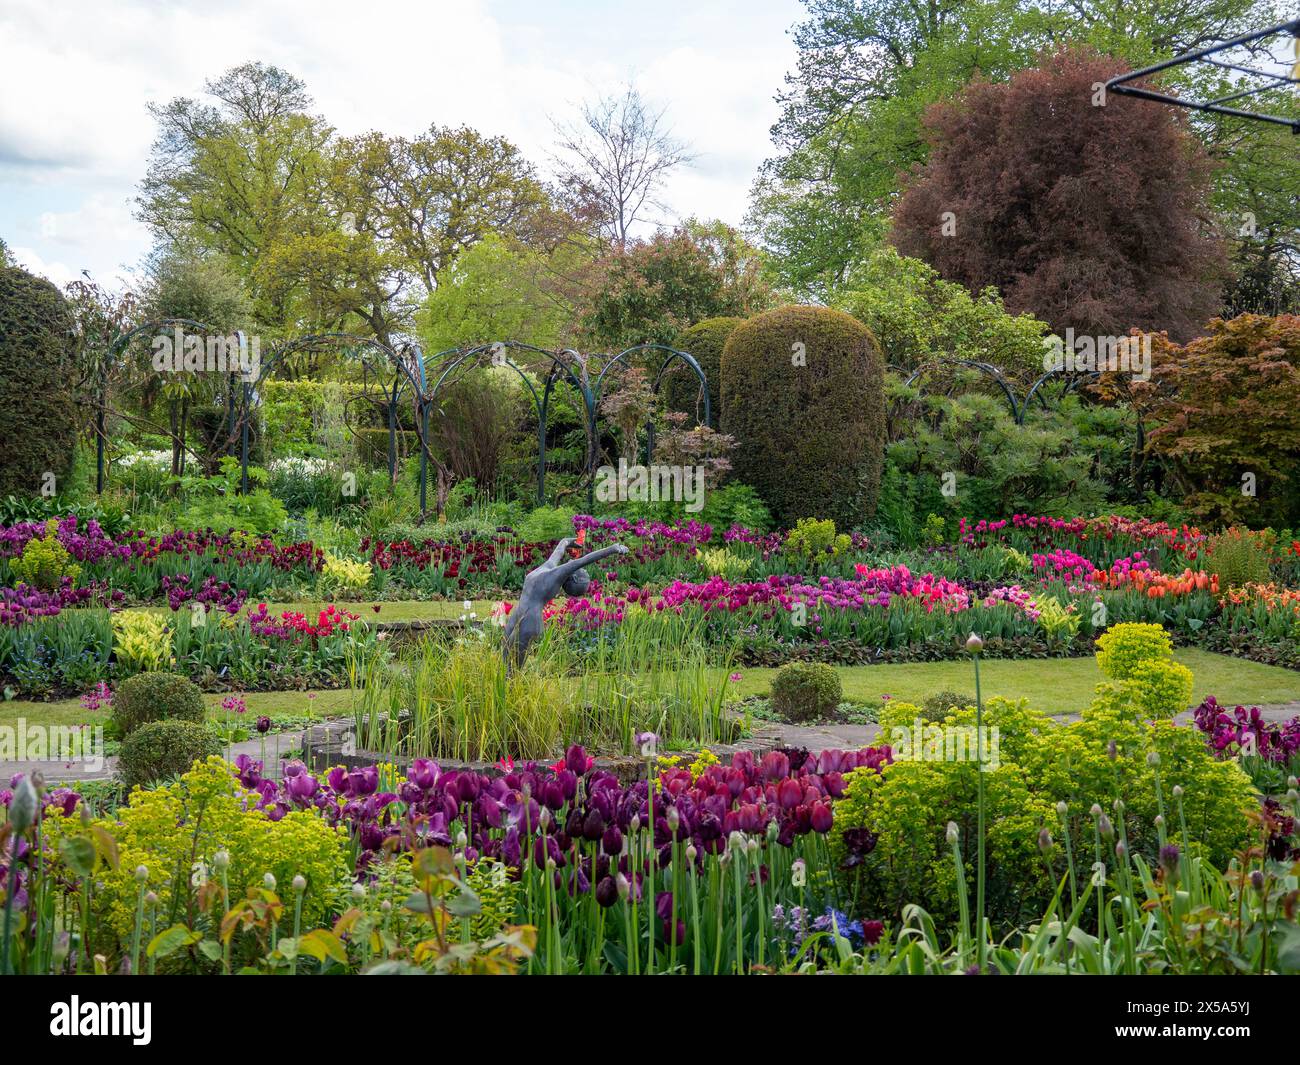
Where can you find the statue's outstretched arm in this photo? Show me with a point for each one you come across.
(576, 564)
(559, 551)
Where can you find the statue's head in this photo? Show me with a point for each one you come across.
(577, 583)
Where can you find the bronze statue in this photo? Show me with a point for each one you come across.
(524, 623)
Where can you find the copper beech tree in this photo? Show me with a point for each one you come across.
(1087, 211)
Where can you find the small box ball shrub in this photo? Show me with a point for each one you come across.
(938, 706)
(806, 691)
(157, 696)
(1122, 648)
(160, 750)
(704, 341)
(803, 395)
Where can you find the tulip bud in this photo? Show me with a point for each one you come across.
(221, 860)
(1112, 750)
(1153, 758)
(1178, 791)
(358, 891)
(268, 881)
(974, 645)
(300, 883)
(151, 898)
(386, 906)
(624, 887)
(1044, 840)
(1104, 826)
(751, 847)
(635, 823)
(1121, 849)
(772, 831)
(1293, 782)
(952, 833)
(735, 842)
(461, 839)
(22, 807)
(1061, 809)
(1293, 797)
(544, 820)
(691, 852)
(141, 873)
(1095, 810)
(1257, 880)
(673, 818)
(1159, 820)
(1119, 806)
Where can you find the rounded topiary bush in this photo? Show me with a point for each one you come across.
(938, 706)
(38, 418)
(156, 696)
(803, 394)
(806, 691)
(163, 749)
(681, 389)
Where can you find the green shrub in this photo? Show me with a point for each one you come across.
(1160, 687)
(44, 561)
(546, 523)
(815, 541)
(681, 388)
(38, 417)
(806, 691)
(938, 706)
(1239, 557)
(157, 696)
(164, 749)
(803, 394)
(1038, 763)
(735, 504)
(1122, 648)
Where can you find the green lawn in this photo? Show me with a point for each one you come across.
(1059, 686)
(70, 711)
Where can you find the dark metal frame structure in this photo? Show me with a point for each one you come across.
(423, 378)
(1124, 85)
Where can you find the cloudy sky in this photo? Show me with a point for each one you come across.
(75, 135)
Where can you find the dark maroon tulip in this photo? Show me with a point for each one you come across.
(593, 826)
(607, 892)
(821, 817)
(263, 725)
(789, 794)
(872, 931)
(576, 760)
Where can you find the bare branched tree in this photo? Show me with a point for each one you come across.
(614, 159)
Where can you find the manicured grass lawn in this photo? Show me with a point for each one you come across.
(71, 712)
(1058, 686)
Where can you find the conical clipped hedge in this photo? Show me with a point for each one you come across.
(38, 417)
(803, 394)
(681, 388)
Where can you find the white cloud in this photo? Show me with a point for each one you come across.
(74, 129)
